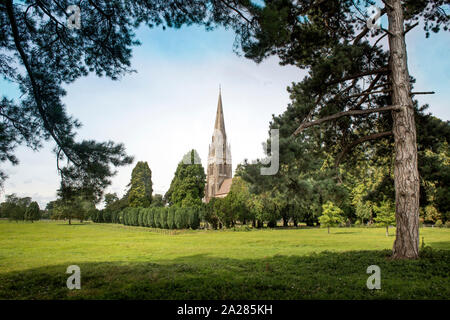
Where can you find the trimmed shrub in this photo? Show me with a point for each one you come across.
(171, 218)
(163, 217)
(438, 224)
(181, 218)
(141, 217)
(194, 218)
(145, 217)
(135, 216)
(157, 217)
(125, 216)
(106, 215)
(151, 217)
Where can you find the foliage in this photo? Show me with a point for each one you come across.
(331, 216)
(158, 201)
(385, 215)
(140, 193)
(162, 217)
(14, 207)
(33, 212)
(188, 185)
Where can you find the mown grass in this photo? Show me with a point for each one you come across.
(119, 262)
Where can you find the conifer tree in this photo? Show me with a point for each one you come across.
(140, 193)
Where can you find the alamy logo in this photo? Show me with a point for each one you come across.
(74, 281)
(274, 158)
(374, 281)
(374, 13)
(74, 20)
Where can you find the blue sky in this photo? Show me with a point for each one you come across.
(168, 106)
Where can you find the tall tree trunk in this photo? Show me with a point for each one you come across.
(406, 175)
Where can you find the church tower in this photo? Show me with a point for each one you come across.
(219, 171)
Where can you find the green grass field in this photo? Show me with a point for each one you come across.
(119, 262)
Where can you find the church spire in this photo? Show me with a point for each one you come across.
(220, 122)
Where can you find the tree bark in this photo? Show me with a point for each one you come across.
(387, 231)
(406, 175)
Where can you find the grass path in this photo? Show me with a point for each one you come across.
(133, 262)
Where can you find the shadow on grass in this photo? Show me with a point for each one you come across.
(441, 245)
(325, 275)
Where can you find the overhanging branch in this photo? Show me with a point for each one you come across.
(350, 146)
(305, 125)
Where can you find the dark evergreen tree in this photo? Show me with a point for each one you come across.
(188, 185)
(140, 193)
(33, 213)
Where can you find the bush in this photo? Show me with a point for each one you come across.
(171, 218)
(180, 218)
(135, 216)
(148, 217)
(447, 224)
(106, 215)
(163, 217)
(151, 217)
(194, 219)
(141, 217)
(438, 224)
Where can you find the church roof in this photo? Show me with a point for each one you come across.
(220, 121)
(225, 187)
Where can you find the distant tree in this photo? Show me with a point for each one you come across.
(33, 213)
(210, 214)
(110, 198)
(331, 216)
(238, 198)
(15, 207)
(188, 185)
(385, 215)
(140, 193)
(158, 201)
(431, 214)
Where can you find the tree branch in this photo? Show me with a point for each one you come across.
(410, 28)
(36, 93)
(306, 125)
(361, 74)
(235, 10)
(423, 92)
(350, 146)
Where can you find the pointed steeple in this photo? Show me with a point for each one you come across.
(220, 122)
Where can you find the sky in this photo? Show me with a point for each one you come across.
(168, 106)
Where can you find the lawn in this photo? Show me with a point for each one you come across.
(119, 262)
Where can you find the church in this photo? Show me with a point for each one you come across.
(219, 170)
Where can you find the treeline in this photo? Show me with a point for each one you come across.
(21, 209)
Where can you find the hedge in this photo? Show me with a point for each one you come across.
(159, 217)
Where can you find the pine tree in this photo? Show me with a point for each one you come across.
(355, 90)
